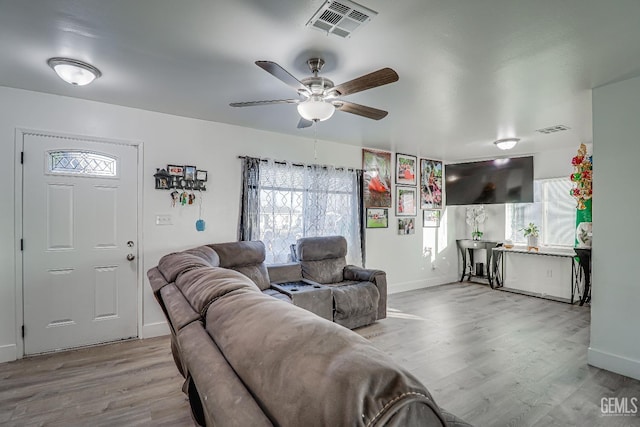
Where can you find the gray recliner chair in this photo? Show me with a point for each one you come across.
(359, 294)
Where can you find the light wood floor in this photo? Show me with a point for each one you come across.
(493, 358)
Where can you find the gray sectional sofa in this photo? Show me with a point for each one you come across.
(252, 358)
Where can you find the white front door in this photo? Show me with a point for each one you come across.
(79, 227)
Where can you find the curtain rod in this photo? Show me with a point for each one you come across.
(300, 165)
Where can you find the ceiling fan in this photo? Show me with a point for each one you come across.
(319, 98)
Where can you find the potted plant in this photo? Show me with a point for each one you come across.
(531, 232)
(476, 216)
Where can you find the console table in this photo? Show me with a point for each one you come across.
(466, 247)
(311, 296)
(580, 265)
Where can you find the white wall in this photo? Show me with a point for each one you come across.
(210, 146)
(615, 313)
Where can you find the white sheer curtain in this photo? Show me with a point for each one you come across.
(307, 201)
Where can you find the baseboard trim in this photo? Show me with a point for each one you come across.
(8, 353)
(156, 329)
(614, 363)
(395, 288)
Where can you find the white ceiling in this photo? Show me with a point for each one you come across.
(470, 71)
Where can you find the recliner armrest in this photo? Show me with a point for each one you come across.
(377, 277)
(353, 272)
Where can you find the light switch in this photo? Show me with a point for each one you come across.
(166, 219)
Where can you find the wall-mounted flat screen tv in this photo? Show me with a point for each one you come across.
(490, 182)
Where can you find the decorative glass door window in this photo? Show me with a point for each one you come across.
(84, 163)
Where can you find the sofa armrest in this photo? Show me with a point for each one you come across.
(280, 273)
(377, 277)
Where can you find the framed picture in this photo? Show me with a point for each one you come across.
(406, 167)
(201, 175)
(431, 218)
(430, 184)
(175, 170)
(376, 167)
(190, 173)
(406, 201)
(377, 218)
(406, 226)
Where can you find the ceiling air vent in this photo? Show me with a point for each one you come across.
(341, 18)
(553, 129)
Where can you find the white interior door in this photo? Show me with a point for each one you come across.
(79, 228)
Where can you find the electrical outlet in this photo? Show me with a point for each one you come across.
(164, 219)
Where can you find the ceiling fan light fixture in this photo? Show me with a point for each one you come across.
(74, 72)
(506, 143)
(316, 109)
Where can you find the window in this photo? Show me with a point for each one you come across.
(296, 201)
(81, 163)
(553, 211)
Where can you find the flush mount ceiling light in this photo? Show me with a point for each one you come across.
(74, 72)
(507, 143)
(316, 109)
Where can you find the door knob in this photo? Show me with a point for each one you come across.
(131, 257)
(130, 243)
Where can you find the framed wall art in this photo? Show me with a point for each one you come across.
(430, 184)
(406, 201)
(430, 218)
(376, 167)
(190, 173)
(377, 218)
(406, 226)
(201, 175)
(175, 170)
(406, 168)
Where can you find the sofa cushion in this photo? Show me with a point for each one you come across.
(277, 294)
(202, 286)
(172, 265)
(289, 358)
(322, 258)
(178, 308)
(319, 248)
(226, 400)
(325, 271)
(246, 258)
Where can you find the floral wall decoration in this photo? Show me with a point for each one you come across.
(582, 177)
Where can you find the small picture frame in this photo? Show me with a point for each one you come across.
(190, 173)
(406, 167)
(406, 201)
(377, 218)
(175, 170)
(430, 184)
(406, 226)
(431, 218)
(201, 175)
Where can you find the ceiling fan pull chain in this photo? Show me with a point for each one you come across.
(315, 142)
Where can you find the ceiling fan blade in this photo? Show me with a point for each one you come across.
(304, 123)
(269, 102)
(368, 81)
(360, 110)
(282, 75)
